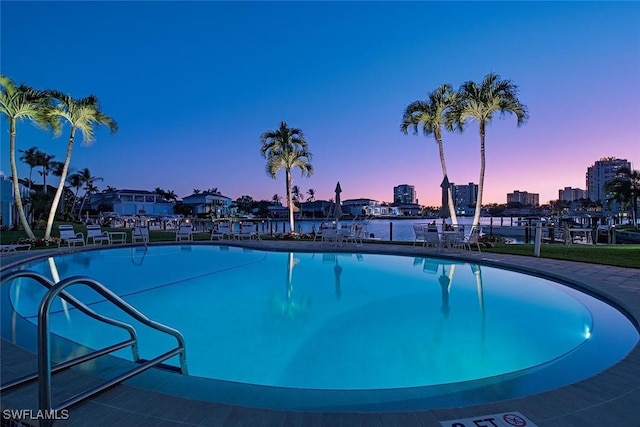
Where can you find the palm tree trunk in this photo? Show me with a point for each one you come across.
(476, 216)
(63, 177)
(452, 209)
(289, 201)
(14, 178)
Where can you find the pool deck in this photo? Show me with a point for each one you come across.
(610, 398)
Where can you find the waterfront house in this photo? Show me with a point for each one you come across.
(209, 203)
(130, 202)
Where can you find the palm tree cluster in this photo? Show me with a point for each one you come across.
(453, 109)
(48, 109)
(285, 148)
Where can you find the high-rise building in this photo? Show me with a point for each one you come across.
(601, 172)
(569, 194)
(404, 193)
(524, 197)
(464, 195)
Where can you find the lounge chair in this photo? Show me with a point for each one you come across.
(140, 233)
(69, 236)
(14, 247)
(95, 233)
(184, 232)
(247, 230)
(221, 230)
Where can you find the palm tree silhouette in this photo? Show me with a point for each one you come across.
(430, 115)
(480, 103)
(286, 148)
(82, 115)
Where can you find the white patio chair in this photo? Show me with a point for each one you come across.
(95, 233)
(420, 234)
(184, 232)
(330, 235)
(348, 234)
(69, 236)
(140, 233)
(473, 238)
(432, 237)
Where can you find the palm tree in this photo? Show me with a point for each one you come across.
(83, 115)
(76, 182)
(88, 181)
(625, 189)
(312, 195)
(296, 196)
(30, 157)
(45, 160)
(276, 199)
(20, 102)
(480, 102)
(430, 115)
(286, 148)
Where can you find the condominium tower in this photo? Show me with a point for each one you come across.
(404, 193)
(601, 172)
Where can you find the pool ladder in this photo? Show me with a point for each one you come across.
(45, 370)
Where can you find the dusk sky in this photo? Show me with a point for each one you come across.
(193, 85)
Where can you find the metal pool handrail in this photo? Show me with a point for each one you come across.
(44, 351)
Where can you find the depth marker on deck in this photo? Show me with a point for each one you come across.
(504, 419)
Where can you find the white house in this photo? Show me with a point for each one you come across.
(209, 203)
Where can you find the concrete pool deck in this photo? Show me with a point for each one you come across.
(609, 398)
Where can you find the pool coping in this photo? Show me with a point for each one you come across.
(610, 397)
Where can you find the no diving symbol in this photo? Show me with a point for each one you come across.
(514, 420)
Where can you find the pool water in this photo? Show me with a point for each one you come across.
(341, 321)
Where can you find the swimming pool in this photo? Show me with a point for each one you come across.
(341, 330)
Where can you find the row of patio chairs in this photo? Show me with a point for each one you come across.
(451, 238)
(224, 230)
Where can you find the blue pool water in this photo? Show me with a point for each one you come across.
(343, 321)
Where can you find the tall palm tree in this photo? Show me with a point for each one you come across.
(286, 148)
(430, 115)
(30, 157)
(22, 102)
(625, 189)
(83, 115)
(480, 103)
(90, 188)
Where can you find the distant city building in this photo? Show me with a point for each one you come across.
(601, 172)
(524, 198)
(569, 194)
(464, 195)
(404, 193)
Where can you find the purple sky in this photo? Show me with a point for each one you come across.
(194, 85)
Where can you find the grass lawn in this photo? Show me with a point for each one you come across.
(618, 255)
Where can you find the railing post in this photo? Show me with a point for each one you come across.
(538, 240)
(390, 231)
